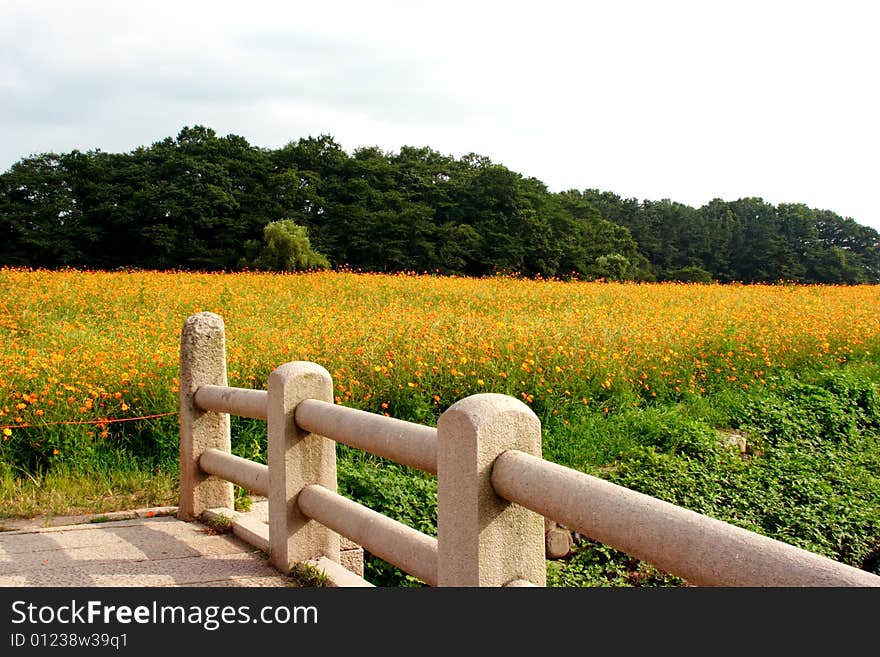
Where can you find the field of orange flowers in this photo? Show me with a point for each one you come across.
(83, 352)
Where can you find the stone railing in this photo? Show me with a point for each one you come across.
(494, 490)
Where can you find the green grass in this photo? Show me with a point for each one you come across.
(89, 488)
(305, 575)
(219, 524)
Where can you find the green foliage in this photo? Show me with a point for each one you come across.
(249, 438)
(219, 524)
(690, 274)
(99, 519)
(153, 444)
(243, 501)
(306, 575)
(809, 477)
(595, 564)
(201, 201)
(834, 408)
(286, 248)
(611, 267)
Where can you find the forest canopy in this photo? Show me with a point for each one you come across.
(203, 202)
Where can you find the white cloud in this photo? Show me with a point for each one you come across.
(680, 100)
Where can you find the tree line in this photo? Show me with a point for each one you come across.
(203, 202)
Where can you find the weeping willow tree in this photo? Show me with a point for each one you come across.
(285, 247)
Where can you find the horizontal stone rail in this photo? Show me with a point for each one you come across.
(243, 402)
(244, 472)
(702, 550)
(391, 541)
(404, 442)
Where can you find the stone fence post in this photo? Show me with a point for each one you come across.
(297, 458)
(484, 540)
(202, 362)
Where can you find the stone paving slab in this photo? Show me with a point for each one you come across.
(30, 542)
(140, 548)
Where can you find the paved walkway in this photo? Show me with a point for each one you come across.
(148, 547)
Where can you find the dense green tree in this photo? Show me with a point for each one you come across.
(857, 247)
(690, 274)
(722, 230)
(602, 231)
(201, 201)
(40, 223)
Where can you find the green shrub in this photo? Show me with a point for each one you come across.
(595, 564)
(811, 477)
(406, 495)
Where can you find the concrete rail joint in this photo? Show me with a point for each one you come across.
(702, 550)
(407, 443)
(392, 541)
(243, 402)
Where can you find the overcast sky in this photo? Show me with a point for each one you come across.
(665, 99)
